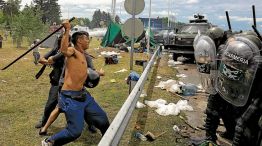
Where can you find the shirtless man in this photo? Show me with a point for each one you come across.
(74, 100)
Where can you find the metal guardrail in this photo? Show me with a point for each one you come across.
(120, 122)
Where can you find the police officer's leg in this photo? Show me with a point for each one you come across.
(97, 116)
(251, 114)
(229, 115)
(212, 119)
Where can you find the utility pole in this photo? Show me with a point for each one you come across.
(168, 10)
(149, 30)
(113, 10)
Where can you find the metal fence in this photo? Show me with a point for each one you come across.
(120, 122)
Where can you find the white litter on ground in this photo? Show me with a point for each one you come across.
(181, 76)
(176, 129)
(107, 54)
(165, 109)
(158, 77)
(166, 84)
(140, 105)
(25, 58)
(122, 70)
(157, 104)
(4, 81)
(143, 95)
(175, 88)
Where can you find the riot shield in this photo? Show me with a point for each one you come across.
(205, 56)
(237, 70)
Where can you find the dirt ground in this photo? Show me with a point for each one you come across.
(198, 102)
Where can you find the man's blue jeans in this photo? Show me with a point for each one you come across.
(76, 112)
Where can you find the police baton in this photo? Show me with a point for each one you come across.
(256, 31)
(35, 45)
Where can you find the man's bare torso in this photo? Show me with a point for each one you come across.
(75, 72)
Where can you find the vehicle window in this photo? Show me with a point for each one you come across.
(192, 29)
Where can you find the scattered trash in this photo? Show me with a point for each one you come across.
(172, 63)
(169, 109)
(182, 59)
(133, 76)
(158, 77)
(137, 127)
(178, 63)
(143, 95)
(175, 89)
(140, 136)
(113, 80)
(4, 81)
(189, 89)
(191, 126)
(107, 54)
(166, 84)
(181, 76)
(151, 137)
(170, 56)
(122, 70)
(176, 129)
(157, 104)
(140, 105)
(112, 59)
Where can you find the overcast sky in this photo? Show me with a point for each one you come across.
(240, 11)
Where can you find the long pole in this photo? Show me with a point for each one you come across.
(168, 13)
(149, 30)
(35, 45)
(133, 35)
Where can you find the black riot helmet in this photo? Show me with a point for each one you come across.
(92, 79)
(217, 35)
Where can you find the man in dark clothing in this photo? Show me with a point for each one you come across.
(55, 59)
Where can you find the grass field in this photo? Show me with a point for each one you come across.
(22, 99)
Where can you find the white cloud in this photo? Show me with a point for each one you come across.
(192, 1)
(239, 18)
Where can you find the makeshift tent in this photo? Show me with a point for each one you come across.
(114, 36)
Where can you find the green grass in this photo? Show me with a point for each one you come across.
(22, 99)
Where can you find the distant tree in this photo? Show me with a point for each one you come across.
(51, 10)
(81, 22)
(2, 17)
(28, 24)
(96, 19)
(2, 4)
(10, 9)
(100, 19)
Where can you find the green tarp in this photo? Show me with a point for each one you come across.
(114, 35)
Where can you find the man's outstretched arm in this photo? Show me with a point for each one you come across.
(67, 51)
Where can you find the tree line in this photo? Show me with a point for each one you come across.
(34, 20)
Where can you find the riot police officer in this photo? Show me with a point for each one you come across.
(248, 129)
(206, 48)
